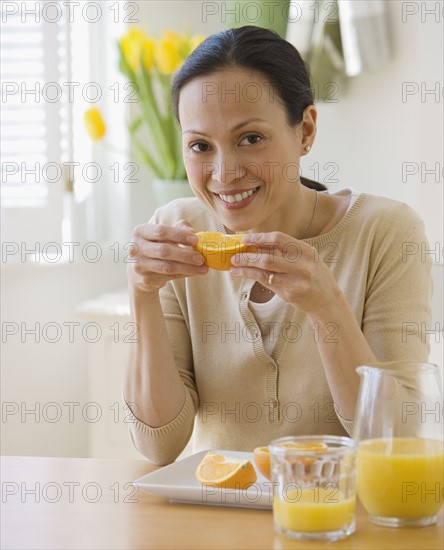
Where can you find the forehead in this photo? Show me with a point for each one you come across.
(229, 91)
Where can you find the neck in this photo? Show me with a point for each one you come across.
(295, 215)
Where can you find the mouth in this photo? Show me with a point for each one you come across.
(237, 198)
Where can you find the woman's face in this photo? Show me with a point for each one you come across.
(241, 156)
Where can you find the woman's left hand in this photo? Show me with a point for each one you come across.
(300, 276)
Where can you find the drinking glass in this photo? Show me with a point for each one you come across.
(314, 486)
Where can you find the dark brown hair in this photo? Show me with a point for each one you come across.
(260, 50)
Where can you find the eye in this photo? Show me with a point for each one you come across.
(252, 139)
(199, 147)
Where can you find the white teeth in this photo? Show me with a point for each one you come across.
(238, 197)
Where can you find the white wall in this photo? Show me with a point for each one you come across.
(36, 373)
(369, 133)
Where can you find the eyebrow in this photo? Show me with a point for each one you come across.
(237, 127)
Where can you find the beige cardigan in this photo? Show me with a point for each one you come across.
(238, 397)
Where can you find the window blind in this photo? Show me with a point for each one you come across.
(34, 103)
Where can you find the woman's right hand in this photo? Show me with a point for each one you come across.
(158, 258)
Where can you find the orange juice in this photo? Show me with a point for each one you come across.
(401, 477)
(313, 510)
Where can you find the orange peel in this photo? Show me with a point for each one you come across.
(262, 457)
(225, 472)
(218, 248)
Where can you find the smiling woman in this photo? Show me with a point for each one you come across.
(327, 287)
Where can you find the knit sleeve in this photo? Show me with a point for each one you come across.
(397, 313)
(397, 307)
(162, 445)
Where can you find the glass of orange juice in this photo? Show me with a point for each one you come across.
(400, 430)
(314, 486)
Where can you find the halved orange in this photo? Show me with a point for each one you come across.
(218, 248)
(225, 472)
(261, 457)
(262, 460)
(306, 446)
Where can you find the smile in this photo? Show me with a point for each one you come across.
(233, 198)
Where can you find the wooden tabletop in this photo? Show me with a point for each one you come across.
(84, 503)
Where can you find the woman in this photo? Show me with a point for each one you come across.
(270, 347)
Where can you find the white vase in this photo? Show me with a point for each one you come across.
(166, 191)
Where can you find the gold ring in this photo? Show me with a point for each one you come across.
(271, 278)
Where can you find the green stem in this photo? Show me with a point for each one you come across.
(180, 168)
(174, 133)
(151, 113)
(165, 84)
(147, 158)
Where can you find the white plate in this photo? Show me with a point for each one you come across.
(177, 482)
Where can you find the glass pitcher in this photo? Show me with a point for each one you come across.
(400, 431)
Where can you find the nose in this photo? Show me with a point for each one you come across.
(227, 169)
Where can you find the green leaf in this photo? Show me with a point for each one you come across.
(148, 159)
(135, 125)
(158, 128)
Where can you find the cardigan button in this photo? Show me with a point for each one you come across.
(271, 367)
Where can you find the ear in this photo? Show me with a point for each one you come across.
(308, 128)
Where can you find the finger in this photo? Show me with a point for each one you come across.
(169, 233)
(290, 262)
(149, 266)
(264, 259)
(265, 240)
(170, 252)
(284, 257)
(259, 275)
(275, 240)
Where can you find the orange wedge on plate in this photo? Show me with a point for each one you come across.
(218, 248)
(306, 447)
(261, 455)
(225, 472)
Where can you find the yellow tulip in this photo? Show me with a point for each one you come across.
(137, 47)
(131, 45)
(94, 124)
(171, 51)
(148, 52)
